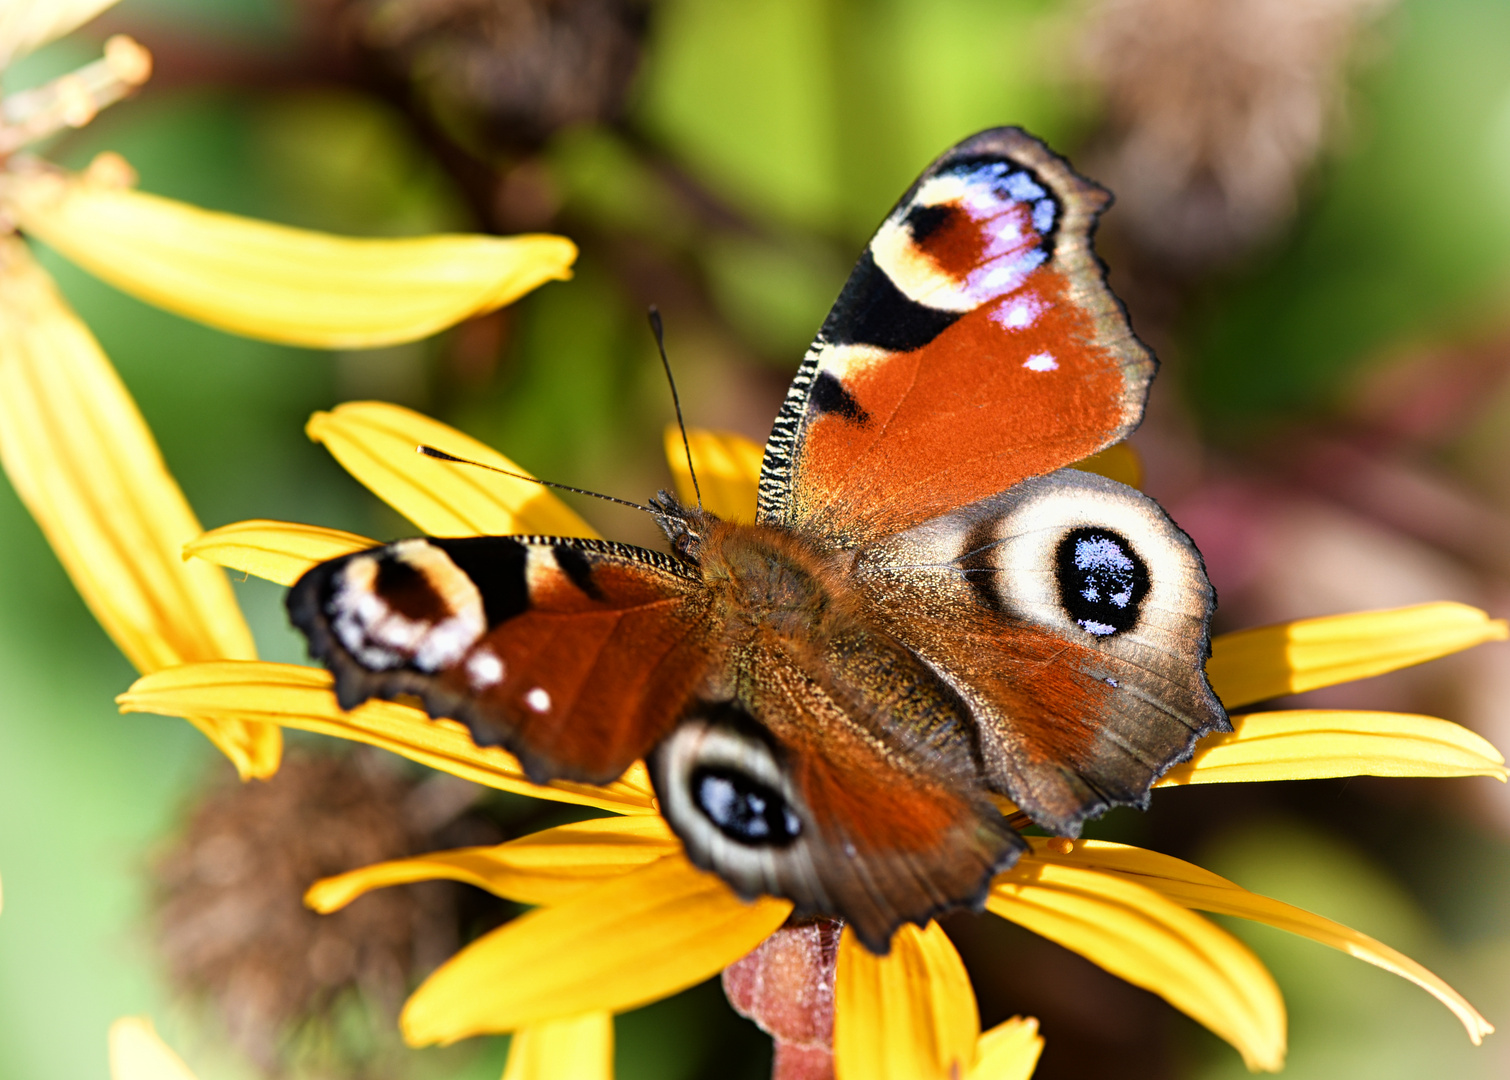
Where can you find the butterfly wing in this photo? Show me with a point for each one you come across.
(1072, 617)
(576, 655)
(975, 344)
(786, 791)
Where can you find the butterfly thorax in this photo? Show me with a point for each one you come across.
(761, 579)
(794, 629)
(765, 579)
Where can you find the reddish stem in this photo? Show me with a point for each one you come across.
(786, 985)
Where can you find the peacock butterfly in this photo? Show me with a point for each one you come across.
(930, 609)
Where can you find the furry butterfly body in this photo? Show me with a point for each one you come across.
(931, 610)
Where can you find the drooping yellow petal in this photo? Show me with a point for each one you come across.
(1138, 935)
(1009, 1051)
(273, 282)
(1119, 462)
(137, 1053)
(909, 1015)
(85, 464)
(1268, 661)
(632, 940)
(577, 1048)
(280, 551)
(543, 868)
(26, 25)
(300, 697)
(728, 470)
(375, 442)
(1192, 886)
(1311, 744)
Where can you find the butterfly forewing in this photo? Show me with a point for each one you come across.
(976, 344)
(576, 655)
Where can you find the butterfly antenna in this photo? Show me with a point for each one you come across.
(441, 455)
(659, 331)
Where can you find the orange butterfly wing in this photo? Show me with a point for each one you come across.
(576, 655)
(975, 345)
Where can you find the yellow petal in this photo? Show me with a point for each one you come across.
(280, 551)
(136, 1053)
(542, 868)
(1190, 885)
(300, 697)
(632, 940)
(1265, 662)
(1139, 935)
(85, 464)
(276, 283)
(1311, 744)
(577, 1048)
(1119, 462)
(909, 1015)
(1009, 1051)
(29, 24)
(375, 442)
(728, 470)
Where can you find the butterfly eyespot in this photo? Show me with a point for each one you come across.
(923, 221)
(409, 606)
(1102, 581)
(744, 809)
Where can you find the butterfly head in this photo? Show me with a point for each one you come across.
(684, 526)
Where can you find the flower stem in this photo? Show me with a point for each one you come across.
(72, 100)
(786, 985)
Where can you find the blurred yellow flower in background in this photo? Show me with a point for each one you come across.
(621, 917)
(71, 438)
(137, 1052)
(577, 1048)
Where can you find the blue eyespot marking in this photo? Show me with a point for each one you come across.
(1102, 581)
(744, 809)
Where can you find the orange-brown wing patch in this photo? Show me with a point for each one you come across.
(976, 344)
(576, 655)
(588, 689)
(977, 409)
(848, 825)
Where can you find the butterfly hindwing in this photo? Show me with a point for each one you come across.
(808, 803)
(974, 345)
(576, 655)
(1072, 616)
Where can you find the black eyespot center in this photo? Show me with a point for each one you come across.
(744, 809)
(1102, 580)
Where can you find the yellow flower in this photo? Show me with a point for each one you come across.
(137, 1052)
(71, 438)
(578, 1047)
(622, 918)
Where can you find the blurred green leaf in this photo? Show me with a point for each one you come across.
(560, 409)
(743, 91)
(604, 181)
(820, 112)
(347, 163)
(775, 294)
